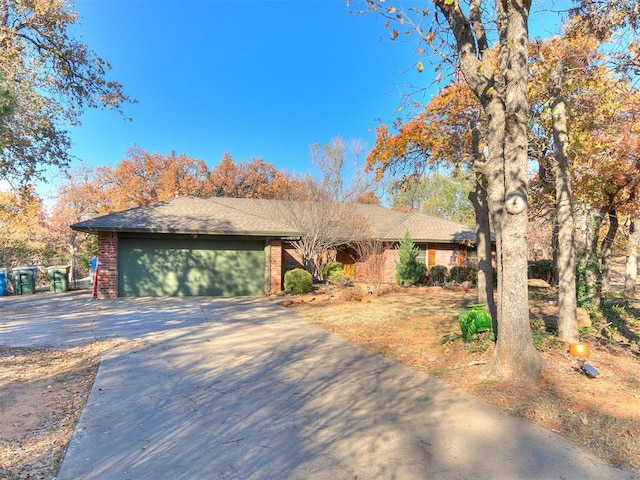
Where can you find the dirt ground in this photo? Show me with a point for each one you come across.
(418, 327)
(43, 391)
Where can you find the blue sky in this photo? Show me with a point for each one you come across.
(252, 78)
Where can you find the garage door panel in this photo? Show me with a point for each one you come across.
(150, 267)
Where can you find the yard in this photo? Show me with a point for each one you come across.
(42, 392)
(418, 327)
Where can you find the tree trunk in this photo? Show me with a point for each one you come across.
(479, 200)
(587, 226)
(565, 256)
(631, 267)
(605, 249)
(506, 109)
(514, 356)
(483, 247)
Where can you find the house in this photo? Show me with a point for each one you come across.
(222, 246)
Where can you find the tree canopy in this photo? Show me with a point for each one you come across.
(47, 79)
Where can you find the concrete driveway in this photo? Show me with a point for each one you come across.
(244, 389)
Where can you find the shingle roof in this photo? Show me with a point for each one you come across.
(190, 215)
(258, 217)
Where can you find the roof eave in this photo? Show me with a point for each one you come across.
(179, 231)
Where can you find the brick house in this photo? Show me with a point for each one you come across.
(222, 246)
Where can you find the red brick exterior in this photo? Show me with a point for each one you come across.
(273, 266)
(107, 265)
(279, 256)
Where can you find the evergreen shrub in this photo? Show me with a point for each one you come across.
(329, 267)
(298, 280)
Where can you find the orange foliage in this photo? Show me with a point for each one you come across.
(254, 179)
(144, 178)
(439, 135)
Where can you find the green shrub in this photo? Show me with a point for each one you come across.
(298, 280)
(462, 274)
(339, 278)
(329, 267)
(543, 269)
(438, 274)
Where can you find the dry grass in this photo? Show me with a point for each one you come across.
(42, 394)
(419, 328)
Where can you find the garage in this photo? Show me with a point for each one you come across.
(154, 266)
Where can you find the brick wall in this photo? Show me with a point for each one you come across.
(107, 265)
(273, 266)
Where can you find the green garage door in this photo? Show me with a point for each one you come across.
(152, 267)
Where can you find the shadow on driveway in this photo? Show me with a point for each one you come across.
(244, 389)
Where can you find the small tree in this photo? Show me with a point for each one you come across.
(370, 251)
(408, 269)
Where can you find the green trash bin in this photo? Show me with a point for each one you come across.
(474, 319)
(24, 280)
(58, 279)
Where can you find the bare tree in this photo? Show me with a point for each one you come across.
(370, 254)
(326, 225)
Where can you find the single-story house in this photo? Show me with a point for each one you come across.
(222, 246)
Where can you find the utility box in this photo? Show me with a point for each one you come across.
(58, 279)
(24, 280)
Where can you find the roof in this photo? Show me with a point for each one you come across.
(189, 215)
(260, 217)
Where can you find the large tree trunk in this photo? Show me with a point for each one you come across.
(605, 249)
(565, 256)
(631, 267)
(506, 108)
(515, 356)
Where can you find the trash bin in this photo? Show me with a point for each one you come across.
(474, 320)
(3, 282)
(24, 280)
(58, 279)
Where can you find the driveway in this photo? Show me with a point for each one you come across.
(244, 389)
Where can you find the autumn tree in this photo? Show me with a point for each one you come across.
(78, 197)
(143, 178)
(501, 89)
(51, 78)
(22, 228)
(252, 179)
(618, 23)
(559, 69)
(446, 136)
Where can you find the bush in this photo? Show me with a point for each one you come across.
(462, 274)
(438, 274)
(543, 269)
(329, 267)
(298, 280)
(339, 278)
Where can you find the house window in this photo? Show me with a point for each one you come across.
(422, 253)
